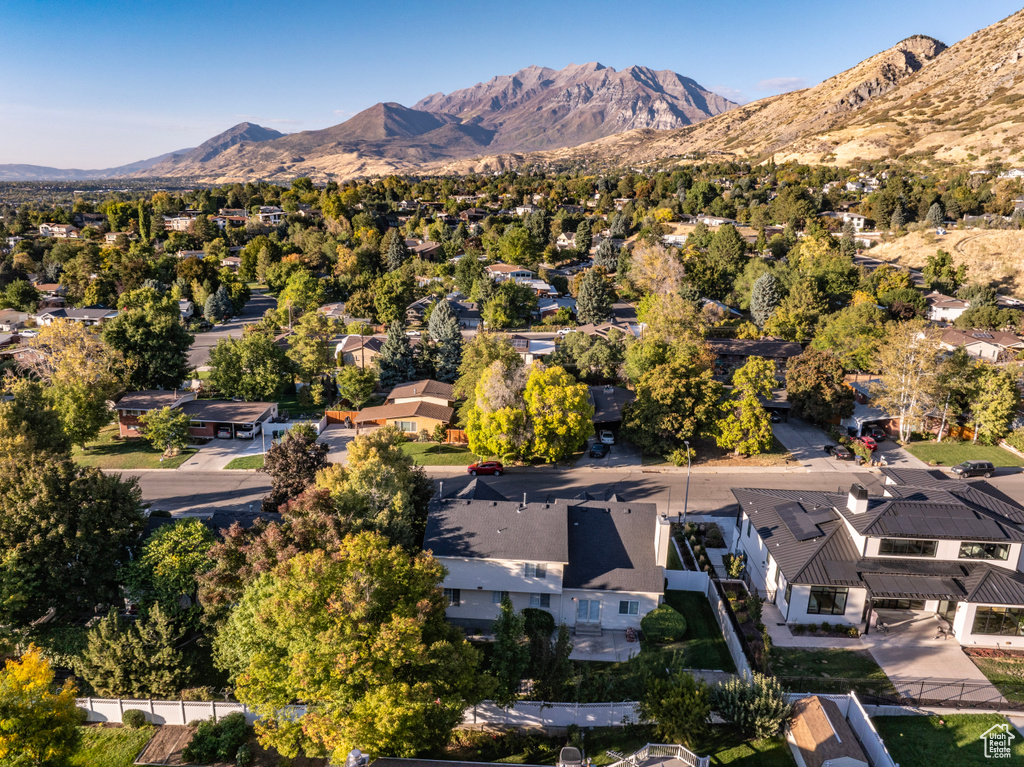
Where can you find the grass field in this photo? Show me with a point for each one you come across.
(110, 746)
(703, 646)
(952, 453)
(108, 453)
(826, 664)
(1005, 673)
(925, 741)
(432, 454)
(246, 462)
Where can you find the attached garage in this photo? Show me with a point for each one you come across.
(227, 419)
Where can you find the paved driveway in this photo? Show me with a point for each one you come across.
(621, 455)
(218, 453)
(337, 438)
(806, 443)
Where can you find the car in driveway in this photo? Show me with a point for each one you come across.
(868, 442)
(878, 435)
(606, 437)
(248, 430)
(974, 469)
(599, 450)
(224, 432)
(839, 452)
(485, 467)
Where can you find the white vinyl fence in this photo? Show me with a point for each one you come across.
(537, 713)
(732, 639)
(167, 711)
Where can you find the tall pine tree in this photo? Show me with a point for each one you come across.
(765, 298)
(447, 338)
(395, 364)
(396, 252)
(594, 298)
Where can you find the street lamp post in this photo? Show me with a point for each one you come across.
(686, 495)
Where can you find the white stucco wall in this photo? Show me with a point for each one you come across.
(964, 622)
(949, 551)
(855, 602)
(478, 604)
(499, 575)
(610, 618)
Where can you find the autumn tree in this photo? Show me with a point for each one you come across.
(853, 335)
(392, 295)
(497, 422)
(252, 367)
(309, 347)
(817, 389)
(356, 385)
(167, 429)
(656, 269)
(362, 638)
(796, 317)
(28, 424)
(511, 305)
(480, 353)
(746, 427)
(171, 560)
(292, 465)
(940, 274)
(39, 723)
(907, 362)
(559, 412)
(995, 404)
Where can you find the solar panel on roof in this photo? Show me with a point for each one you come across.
(841, 571)
(802, 524)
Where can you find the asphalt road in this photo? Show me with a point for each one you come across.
(199, 492)
(199, 354)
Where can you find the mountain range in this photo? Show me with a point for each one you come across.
(963, 103)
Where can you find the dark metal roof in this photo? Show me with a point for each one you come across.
(934, 514)
(934, 478)
(834, 563)
(803, 524)
(996, 586)
(912, 586)
(611, 547)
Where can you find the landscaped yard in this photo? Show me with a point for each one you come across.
(246, 462)
(925, 741)
(703, 646)
(1006, 673)
(952, 453)
(827, 665)
(433, 454)
(108, 453)
(110, 746)
(722, 743)
(709, 454)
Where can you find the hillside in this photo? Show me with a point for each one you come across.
(534, 109)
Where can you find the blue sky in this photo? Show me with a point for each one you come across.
(93, 84)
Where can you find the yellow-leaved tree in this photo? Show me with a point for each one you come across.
(38, 726)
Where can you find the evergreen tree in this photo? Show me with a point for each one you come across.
(594, 298)
(897, 221)
(583, 239)
(145, 221)
(396, 253)
(619, 226)
(765, 297)
(218, 306)
(511, 653)
(607, 256)
(447, 338)
(848, 243)
(935, 216)
(395, 364)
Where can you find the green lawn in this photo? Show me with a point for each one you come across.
(110, 746)
(246, 462)
(827, 665)
(703, 646)
(722, 743)
(1005, 673)
(432, 454)
(952, 453)
(108, 453)
(925, 741)
(673, 559)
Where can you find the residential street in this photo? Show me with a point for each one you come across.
(199, 354)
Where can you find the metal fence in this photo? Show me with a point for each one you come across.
(936, 693)
(539, 713)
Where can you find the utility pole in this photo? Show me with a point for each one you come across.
(686, 496)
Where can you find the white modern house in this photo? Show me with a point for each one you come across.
(593, 565)
(929, 545)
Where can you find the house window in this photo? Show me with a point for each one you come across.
(789, 592)
(409, 427)
(999, 551)
(197, 424)
(498, 596)
(906, 547)
(827, 600)
(629, 607)
(536, 571)
(453, 597)
(540, 600)
(1001, 621)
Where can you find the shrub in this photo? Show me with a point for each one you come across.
(217, 741)
(754, 603)
(537, 622)
(199, 693)
(202, 748)
(245, 756)
(233, 734)
(133, 719)
(756, 705)
(1015, 439)
(663, 625)
(713, 537)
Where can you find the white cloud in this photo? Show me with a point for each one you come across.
(733, 94)
(782, 84)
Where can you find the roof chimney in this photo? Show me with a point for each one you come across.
(857, 501)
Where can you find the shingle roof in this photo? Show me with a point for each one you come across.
(149, 399)
(611, 548)
(749, 347)
(822, 734)
(226, 411)
(498, 530)
(424, 388)
(407, 410)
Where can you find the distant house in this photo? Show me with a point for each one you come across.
(191, 254)
(110, 238)
(87, 316)
(539, 287)
(186, 308)
(734, 352)
(547, 307)
(426, 249)
(531, 349)
(12, 319)
(944, 308)
(426, 390)
(177, 223)
(231, 262)
(212, 418)
(360, 351)
(134, 405)
(858, 221)
(60, 231)
(1013, 173)
(566, 241)
(223, 222)
(716, 220)
(990, 345)
(417, 310)
(502, 272)
(410, 416)
(474, 215)
(525, 210)
(270, 215)
(468, 314)
(593, 565)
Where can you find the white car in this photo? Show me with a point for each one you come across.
(566, 331)
(606, 437)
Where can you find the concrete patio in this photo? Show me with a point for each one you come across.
(611, 645)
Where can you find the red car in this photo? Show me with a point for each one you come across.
(869, 443)
(485, 467)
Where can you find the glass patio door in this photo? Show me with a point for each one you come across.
(588, 611)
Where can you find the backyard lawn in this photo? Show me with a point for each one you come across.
(246, 462)
(703, 646)
(1005, 673)
(825, 665)
(952, 453)
(108, 453)
(924, 741)
(432, 454)
(110, 746)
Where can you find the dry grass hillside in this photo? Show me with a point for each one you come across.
(992, 256)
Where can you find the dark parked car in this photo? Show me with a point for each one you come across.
(599, 450)
(485, 467)
(878, 435)
(841, 453)
(974, 469)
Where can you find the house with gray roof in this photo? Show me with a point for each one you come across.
(593, 564)
(927, 545)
